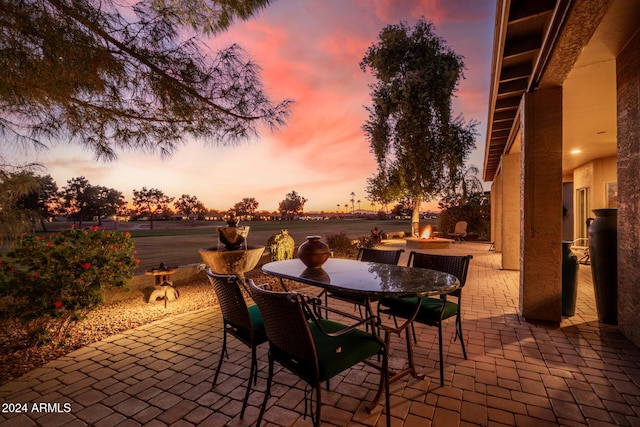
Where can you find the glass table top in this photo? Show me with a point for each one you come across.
(366, 279)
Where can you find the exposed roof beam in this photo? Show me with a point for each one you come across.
(521, 46)
(502, 125)
(521, 28)
(512, 88)
(507, 103)
(499, 116)
(516, 72)
(526, 9)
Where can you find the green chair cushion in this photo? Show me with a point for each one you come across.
(429, 310)
(335, 354)
(242, 332)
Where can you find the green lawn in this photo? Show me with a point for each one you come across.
(177, 242)
(179, 246)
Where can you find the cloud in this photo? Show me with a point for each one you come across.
(309, 51)
(436, 11)
(65, 163)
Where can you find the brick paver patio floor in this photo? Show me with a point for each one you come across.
(517, 373)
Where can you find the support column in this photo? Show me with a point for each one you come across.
(628, 86)
(541, 206)
(511, 211)
(496, 212)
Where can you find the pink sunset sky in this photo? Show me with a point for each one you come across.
(309, 52)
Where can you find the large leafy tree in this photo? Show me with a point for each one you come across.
(81, 200)
(42, 203)
(188, 205)
(115, 75)
(419, 147)
(380, 189)
(292, 205)
(247, 206)
(104, 201)
(77, 198)
(151, 202)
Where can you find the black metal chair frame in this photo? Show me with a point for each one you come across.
(292, 345)
(235, 315)
(382, 256)
(452, 264)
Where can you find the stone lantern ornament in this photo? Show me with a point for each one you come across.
(163, 288)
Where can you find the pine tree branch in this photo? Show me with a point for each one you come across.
(95, 29)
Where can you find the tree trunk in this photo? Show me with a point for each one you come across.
(415, 217)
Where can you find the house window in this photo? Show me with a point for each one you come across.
(582, 212)
(611, 194)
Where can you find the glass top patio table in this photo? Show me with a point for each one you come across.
(372, 281)
(366, 279)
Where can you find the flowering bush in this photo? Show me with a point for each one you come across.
(48, 283)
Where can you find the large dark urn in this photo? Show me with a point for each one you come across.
(569, 280)
(314, 252)
(603, 249)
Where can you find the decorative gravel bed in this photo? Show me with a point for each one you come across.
(110, 319)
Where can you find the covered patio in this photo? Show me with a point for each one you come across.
(580, 372)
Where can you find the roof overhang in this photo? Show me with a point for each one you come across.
(521, 48)
(550, 43)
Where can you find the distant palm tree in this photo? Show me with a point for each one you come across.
(358, 202)
(471, 184)
(468, 186)
(353, 196)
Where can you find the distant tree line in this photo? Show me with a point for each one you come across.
(29, 201)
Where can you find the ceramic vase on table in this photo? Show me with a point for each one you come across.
(314, 252)
(603, 250)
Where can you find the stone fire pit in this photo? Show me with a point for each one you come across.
(430, 243)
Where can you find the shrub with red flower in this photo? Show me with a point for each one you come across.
(48, 283)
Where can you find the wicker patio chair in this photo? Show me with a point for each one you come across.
(313, 348)
(370, 255)
(434, 310)
(242, 321)
(379, 255)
